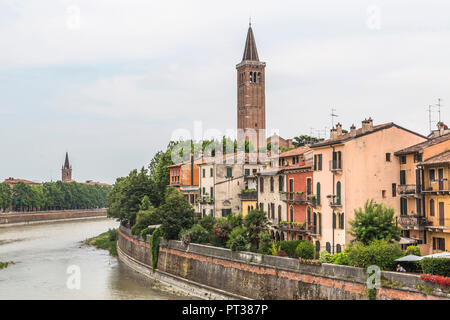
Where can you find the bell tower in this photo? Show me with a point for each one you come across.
(66, 171)
(251, 100)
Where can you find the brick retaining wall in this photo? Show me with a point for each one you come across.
(270, 277)
(24, 218)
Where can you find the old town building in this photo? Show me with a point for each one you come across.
(354, 167)
(185, 178)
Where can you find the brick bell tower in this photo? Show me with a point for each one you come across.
(251, 100)
(66, 171)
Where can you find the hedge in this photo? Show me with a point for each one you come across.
(439, 266)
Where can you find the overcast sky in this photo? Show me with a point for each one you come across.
(109, 81)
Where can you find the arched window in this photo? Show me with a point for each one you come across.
(261, 206)
(261, 184)
(338, 192)
(318, 193)
(338, 248)
(271, 184)
(268, 210)
(308, 186)
(259, 77)
(279, 213)
(328, 247)
(320, 222)
(432, 207)
(291, 213)
(251, 77)
(280, 183)
(341, 221)
(317, 245)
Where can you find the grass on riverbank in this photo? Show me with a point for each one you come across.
(5, 264)
(107, 241)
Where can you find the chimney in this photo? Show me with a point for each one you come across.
(333, 134)
(353, 131)
(367, 125)
(339, 128)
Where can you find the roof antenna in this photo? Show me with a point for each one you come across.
(332, 117)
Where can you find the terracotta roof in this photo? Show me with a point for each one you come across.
(15, 181)
(294, 152)
(90, 182)
(442, 158)
(306, 165)
(420, 146)
(359, 133)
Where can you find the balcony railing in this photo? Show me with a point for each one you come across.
(205, 200)
(249, 195)
(294, 226)
(412, 222)
(335, 165)
(408, 189)
(294, 197)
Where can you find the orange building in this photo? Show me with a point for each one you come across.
(185, 178)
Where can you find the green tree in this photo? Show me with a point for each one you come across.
(5, 196)
(375, 221)
(256, 223)
(304, 139)
(177, 214)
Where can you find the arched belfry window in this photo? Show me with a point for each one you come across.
(251, 76)
(259, 77)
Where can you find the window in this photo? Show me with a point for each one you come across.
(259, 77)
(272, 209)
(271, 184)
(388, 157)
(268, 210)
(342, 221)
(402, 159)
(338, 193)
(211, 172)
(212, 192)
(337, 160)
(308, 186)
(320, 162)
(328, 247)
(261, 206)
(403, 206)
(439, 244)
(383, 193)
(334, 220)
(308, 216)
(402, 177)
(419, 206)
(204, 172)
(317, 246)
(261, 184)
(247, 172)
(279, 213)
(338, 248)
(204, 190)
(314, 223)
(394, 190)
(432, 207)
(432, 174)
(319, 217)
(251, 77)
(211, 213)
(280, 183)
(417, 157)
(204, 212)
(229, 172)
(291, 213)
(318, 192)
(225, 212)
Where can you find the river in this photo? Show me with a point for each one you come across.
(47, 256)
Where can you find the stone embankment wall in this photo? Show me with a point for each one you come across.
(39, 217)
(255, 276)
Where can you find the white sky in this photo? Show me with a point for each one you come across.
(112, 89)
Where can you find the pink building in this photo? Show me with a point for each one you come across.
(349, 169)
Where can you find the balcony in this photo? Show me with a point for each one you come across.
(300, 227)
(335, 166)
(441, 186)
(205, 200)
(413, 222)
(409, 190)
(334, 201)
(249, 195)
(295, 197)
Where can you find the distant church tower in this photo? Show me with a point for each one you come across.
(66, 171)
(251, 100)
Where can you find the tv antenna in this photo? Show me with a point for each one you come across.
(333, 115)
(438, 106)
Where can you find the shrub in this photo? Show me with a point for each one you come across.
(305, 250)
(238, 239)
(234, 220)
(289, 247)
(436, 266)
(207, 222)
(146, 231)
(325, 256)
(377, 252)
(196, 234)
(113, 234)
(415, 250)
(265, 242)
(341, 258)
(256, 223)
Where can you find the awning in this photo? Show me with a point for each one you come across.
(438, 255)
(410, 257)
(404, 240)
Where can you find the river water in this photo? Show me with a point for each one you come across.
(48, 256)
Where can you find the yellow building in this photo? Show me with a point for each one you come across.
(437, 200)
(247, 206)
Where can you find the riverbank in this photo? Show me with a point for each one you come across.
(106, 241)
(11, 220)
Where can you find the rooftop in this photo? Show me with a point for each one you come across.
(442, 158)
(420, 146)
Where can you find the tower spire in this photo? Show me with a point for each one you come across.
(250, 52)
(66, 162)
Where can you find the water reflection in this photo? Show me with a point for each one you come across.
(43, 252)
